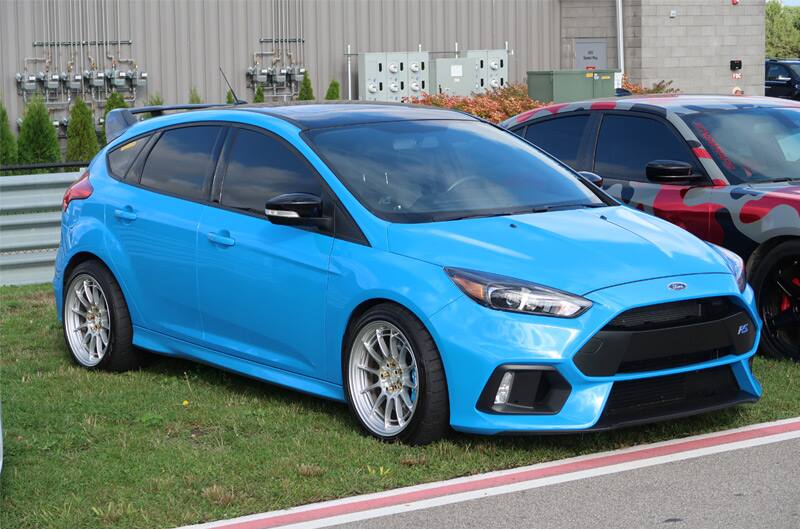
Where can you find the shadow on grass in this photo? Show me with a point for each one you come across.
(574, 442)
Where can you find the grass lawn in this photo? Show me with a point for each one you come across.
(87, 450)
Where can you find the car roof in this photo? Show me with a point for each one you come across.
(320, 115)
(656, 103)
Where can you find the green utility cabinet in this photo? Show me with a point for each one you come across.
(563, 86)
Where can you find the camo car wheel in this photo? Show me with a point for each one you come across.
(776, 281)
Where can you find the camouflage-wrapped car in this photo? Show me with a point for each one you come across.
(725, 168)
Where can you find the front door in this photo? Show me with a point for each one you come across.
(625, 145)
(262, 286)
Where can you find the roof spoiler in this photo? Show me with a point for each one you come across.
(121, 119)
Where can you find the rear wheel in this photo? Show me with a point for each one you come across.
(776, 281)
(394, 378)
(97, 325)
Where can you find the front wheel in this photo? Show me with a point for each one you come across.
(394, 378)
(776, 281)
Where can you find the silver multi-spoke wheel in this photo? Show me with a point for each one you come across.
(383, 378)
(87, 322)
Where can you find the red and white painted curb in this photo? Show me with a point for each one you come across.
(395, 501)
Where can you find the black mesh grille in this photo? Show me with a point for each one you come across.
(671, 314)
(670, 395)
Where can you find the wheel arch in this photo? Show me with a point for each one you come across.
(764, 248)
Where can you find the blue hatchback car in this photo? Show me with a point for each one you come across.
(429, 268)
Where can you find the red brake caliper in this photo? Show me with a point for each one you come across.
(786, 303)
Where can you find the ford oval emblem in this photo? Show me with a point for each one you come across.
(677, 286)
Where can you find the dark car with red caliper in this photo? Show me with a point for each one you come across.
(725, 168)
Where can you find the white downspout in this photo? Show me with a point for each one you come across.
(620, 40)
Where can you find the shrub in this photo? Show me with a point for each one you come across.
(81, 136)
(495, 105)
(38, 142)
(661, 87)
(194, 96)
(259, 95)
(229, 99)
(8, 143)
(154, 100)
(115, 100)
(333, 91)
(306, 90)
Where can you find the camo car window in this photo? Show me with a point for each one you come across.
(559, 136)
(628, 143)
(751, 144)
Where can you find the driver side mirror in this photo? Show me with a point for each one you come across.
(297, 209)
(671, 172)
(594, 178)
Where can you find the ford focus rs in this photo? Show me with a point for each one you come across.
(429, 269)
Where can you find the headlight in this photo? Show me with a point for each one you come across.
(514, 295)
(735, 264)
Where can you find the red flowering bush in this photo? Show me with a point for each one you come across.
(661, 87)
(495, 105)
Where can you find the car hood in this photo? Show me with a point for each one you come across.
(578, 251)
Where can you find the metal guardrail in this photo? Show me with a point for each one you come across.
(30, 225)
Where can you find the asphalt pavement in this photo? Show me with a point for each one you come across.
(749, 488)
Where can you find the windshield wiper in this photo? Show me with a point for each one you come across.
(555, 207)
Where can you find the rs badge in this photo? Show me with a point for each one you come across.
(743, 329)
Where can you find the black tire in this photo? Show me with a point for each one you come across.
(120, 355)
(780, 337)
(431, 419)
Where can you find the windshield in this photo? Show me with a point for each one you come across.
(753, 144)
(423, 171)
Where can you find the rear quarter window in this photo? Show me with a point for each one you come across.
(121, 158)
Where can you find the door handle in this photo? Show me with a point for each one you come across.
(125, 214)
(221, 238)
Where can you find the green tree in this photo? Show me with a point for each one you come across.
(259, 95)
(154, 100)
(115, 100)
(8, 143)
(229, 99)
(333, 91)
(194, 96)
(782, 28)
(38, 142)
(306, 91)
(81, 136)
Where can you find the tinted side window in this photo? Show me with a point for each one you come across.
(261, 167)
(560, 137)
(182, 161)
(628, 143)
(776, 71)
(121, 158)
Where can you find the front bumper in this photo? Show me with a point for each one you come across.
(475, 341)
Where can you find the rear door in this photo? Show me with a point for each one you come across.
(262, 286)
(565, 137)
(154, 226)
(626, 143)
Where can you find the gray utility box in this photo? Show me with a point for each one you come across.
(492, 68)
(392, 76)
(563, 86)
(455, 76)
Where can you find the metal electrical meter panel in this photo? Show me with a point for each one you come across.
(418, 73)
(372, 76)
(455, 76)
(492, 68)
(396, 76)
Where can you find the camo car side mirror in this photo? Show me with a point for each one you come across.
(671, 171)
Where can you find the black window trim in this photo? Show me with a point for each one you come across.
(149, 135)
(329, 198)
(698, 165)
(218, 173)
